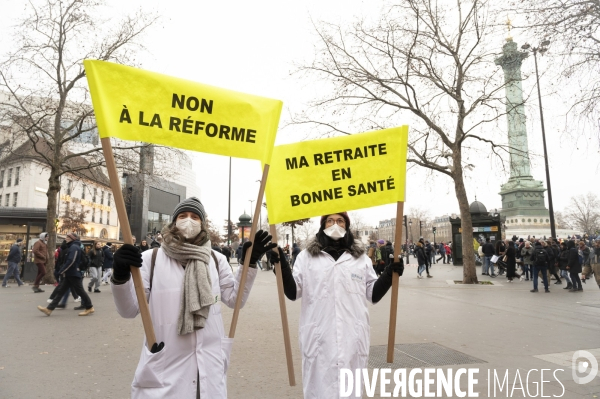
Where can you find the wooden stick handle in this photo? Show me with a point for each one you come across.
(395, 283)
(284, 319)
(240, 295)
(115, 185)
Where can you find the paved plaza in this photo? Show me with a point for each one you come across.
(493, 327)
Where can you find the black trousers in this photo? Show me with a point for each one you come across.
(76, 285)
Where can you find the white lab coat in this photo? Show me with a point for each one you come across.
(173, 372)
(334, 320)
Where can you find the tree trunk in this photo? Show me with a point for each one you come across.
(469, 270)
(51, 216)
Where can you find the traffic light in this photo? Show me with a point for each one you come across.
(434, 229)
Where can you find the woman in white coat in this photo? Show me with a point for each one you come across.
(185, 290)
(335, 279)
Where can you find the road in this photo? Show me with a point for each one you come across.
(503, 325)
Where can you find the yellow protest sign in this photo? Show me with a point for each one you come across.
(133, 104)
(319, 177)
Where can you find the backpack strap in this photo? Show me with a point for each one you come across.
(215, 259)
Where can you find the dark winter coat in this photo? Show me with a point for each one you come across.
(388, 250)
(108, 258)
(14, 256)
(422, 258)
(511, 262)
(488, 249)
(73, 259)
(573, 260)
(563, 259)
(96, 257)
(536, 248)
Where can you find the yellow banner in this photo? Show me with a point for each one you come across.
(320, 177)
(133, 104)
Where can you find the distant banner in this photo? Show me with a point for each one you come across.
(319, 177)
(137, 105)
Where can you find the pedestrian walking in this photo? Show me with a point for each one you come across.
(184, 281)
(563, 261)
(40, 257)
(96, 255)
(335, 279)
(488, 251)
(527, 266)
(13, 259)
(72, 278)
(442, 252)
(574, 266)
(511, 262)
(422, 260)
(107, 266)
(540, 265)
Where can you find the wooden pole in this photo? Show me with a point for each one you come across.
(395, 282)
(115, 186)
(238, 300)
(284, 319)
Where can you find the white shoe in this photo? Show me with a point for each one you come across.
(49, 300)
(419, 276)
(78, 299)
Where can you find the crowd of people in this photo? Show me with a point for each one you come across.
(543, 258)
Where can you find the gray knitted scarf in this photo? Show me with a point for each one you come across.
(196, 296)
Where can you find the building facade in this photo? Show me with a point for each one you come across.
(443, 228)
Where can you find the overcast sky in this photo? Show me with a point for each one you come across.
(253, 46)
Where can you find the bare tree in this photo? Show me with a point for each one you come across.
(73, 220)
(417, 216)
(573, 26)
(305, 233)
(583, 213)
(214, 235)
(427, 61)
(234, 235)
(47, 99)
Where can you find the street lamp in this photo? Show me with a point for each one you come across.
(542, 48)
(410, 228)
(251, 201)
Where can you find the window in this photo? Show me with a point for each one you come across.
(100, 217)
(1, 178)
(94, 196)
(17, 171)
(0, 199)
(101, 197)
(9, 179)
(15, 199)
(108, 202)
(69, 186)
(7, 200)
(83, 188)
(93, 216)
(108, 217)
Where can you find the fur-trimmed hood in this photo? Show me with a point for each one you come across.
(314, 248)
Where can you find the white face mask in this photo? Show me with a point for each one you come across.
(335, 232)
(189, 227)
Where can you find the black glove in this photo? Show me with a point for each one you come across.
(157, 347)
(397, 267)
(263, 243)
(279, 257)
(125, 257)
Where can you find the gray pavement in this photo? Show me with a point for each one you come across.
(504, 325)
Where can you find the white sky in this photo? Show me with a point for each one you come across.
(253, 46)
